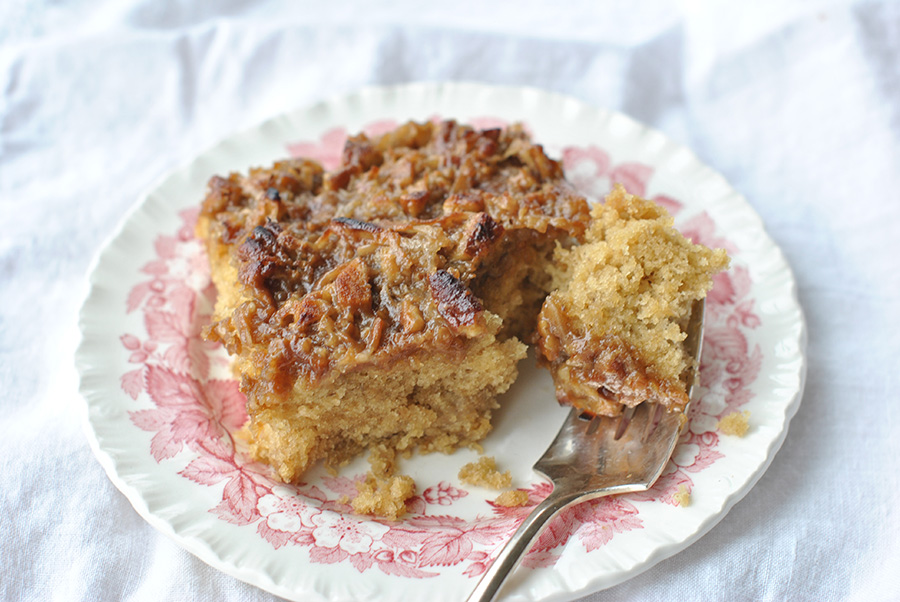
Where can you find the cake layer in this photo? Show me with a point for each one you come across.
(433, 401)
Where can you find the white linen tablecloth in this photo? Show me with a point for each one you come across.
(796, 103)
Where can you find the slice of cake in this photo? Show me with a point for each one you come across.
(612, 332)
(382, 304)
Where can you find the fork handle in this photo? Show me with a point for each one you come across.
(519, 544)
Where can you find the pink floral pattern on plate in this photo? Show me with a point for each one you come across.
(191, 412)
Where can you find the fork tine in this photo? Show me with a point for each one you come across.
(658, 411)
(593, 425)
(624, 420)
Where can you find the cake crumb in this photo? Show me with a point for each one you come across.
(513, 498)
(483, 472)
(736, 423)
(682, 497)
(384, 497)
(383, 461)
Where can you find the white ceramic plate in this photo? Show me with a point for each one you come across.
(161, 405)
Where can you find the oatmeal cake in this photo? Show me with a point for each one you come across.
(612, 331)
(384, 303)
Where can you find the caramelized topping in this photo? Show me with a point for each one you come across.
(374, 260)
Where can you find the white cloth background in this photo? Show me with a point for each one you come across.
(796, 103)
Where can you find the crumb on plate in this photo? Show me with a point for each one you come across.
(682, 497)
(513, 498)
(736, 423)
(383, 496)
(483, 472)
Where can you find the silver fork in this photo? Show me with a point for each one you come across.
(595, 457)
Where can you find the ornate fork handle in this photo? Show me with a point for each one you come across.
(521, 541)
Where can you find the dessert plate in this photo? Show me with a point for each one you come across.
(162, 408)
